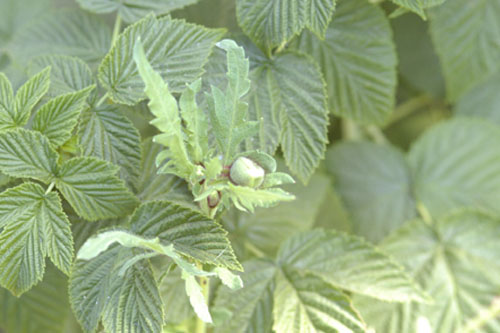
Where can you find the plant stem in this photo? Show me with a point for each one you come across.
(484, 316)
(255, 250)
(102, 100)
(280, 48)
(408, 107)
(351, 130)
(424, 213)
(116, 29)
(376, 134)
(201, 326)
(51, 186)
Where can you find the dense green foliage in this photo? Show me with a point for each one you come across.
(249, 166)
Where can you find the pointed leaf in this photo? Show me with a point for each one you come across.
(247, 198)
(26, 153)
(175, 48)
(358, 60)
(196, 298)
(7, 111)
(57, 118)
(29, 94)
(418, 6)
(93, 190)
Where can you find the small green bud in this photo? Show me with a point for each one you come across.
(245, 172)
(213, 199)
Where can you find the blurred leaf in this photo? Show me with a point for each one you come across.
(418, 6)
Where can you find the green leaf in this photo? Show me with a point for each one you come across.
(133, 10)
(252, 305)
(67, 75)
(482, 100)
(247, 198)
(29, 94)
(465, 35)
(36, 227)
(196, 298)
(418, 6)
(455, 164)
(191, 233)
(93, 190)
(65, 32)
(226, 110)
(356, 265)
(25, 153)
(272, 23)
(163, 106)
(358, 60)
(176, 49)
(43, 309)
(306, 303)
(375, 184)
(7, 112)
(58, 117)
(176, 306)
(456, 260)
(108, 135)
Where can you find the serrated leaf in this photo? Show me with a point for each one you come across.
(374, 182)
(456, 260)
(356, 265)
(58, 117)
(7, 114)
(418, 6)
(36, 227)
(163, 106)
(191, 233)
(133, 10)
(43, 309)
(67, 75)
(465, 35)
(247, 198)
(28, 95)
(306, 303)
(25, 153)
(358, 60)
(455, 164)
(252, 305)
(108, 135)
(271, 23)
(482, 101)
(65, 32)
(93, 190)
(176, 49)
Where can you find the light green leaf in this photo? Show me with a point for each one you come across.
(271, 23)
(29, 94)
(252, 305)
(306, 303)
(196, 298)
(25, 153)
(133, 10)
(455, 260)
(93, 190)
(176, 49)
(43, 309)
(163, 106)
(418, 6)
(456, 164)
(226, 110)
(65, 32)
(358, 60)
(228, 278)
(374, 183)
(465, 35)
(67, 75)
(247, 198)
(482, 100)
(108, 135)
(176, 306)
(58, 117)
(349, 263)
(190, 232)
(7, 112)
(36, 227)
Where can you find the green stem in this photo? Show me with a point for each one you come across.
(484, 316)
(116, 29)
(102, 100)
(351, 130)
(201, 326)
(424, 213)
(280, 48)
(376, 134)
(408, 107)
(49, 189)
(255, 250)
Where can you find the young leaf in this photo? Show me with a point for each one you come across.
(93, 190)
(375, 184)
(191, 233)
(164, 106)
(108, 135)
(57, 118)
(227, 111)
(196, 298)
(37, 227)
(306, 303)
(465, 34)
(455, 164)
(28, 95)
(246, 198)
(25, 153)
(133, 10)
(251, 306)
(357, 266)
(360, 75)
(176, 49)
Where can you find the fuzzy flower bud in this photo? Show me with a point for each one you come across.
(245, 172)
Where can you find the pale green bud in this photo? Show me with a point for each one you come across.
(245, 172)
